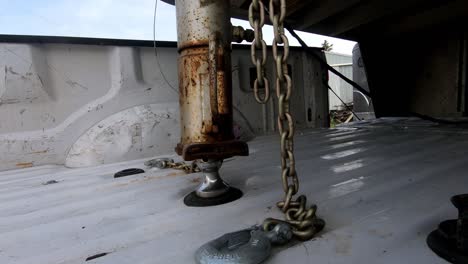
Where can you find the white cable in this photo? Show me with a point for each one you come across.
(363, 95)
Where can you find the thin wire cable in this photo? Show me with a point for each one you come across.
(323, 62)
(347, 106)
(155, 50)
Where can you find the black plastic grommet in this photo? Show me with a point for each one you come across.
(193, 200)
(128, 172)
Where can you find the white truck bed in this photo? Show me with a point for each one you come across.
(380, 186)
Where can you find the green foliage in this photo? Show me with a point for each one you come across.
(327, 46)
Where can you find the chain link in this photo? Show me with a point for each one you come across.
(257, 21)
(299, 216)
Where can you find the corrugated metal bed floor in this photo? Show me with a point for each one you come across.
(381, 187)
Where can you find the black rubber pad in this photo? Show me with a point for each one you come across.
(192, 199)
(442, 241)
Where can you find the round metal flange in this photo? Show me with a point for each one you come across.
(193, 200)
(213, 185)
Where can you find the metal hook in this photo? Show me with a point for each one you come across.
(248, 246)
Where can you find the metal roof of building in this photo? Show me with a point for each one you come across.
(382, 186)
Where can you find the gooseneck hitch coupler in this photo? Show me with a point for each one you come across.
(204, 37)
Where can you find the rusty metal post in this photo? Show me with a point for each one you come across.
(204, 44)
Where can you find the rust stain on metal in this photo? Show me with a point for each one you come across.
(24, 165)
(193, 67)
(193, 44)
(224, 96)
(204, 81)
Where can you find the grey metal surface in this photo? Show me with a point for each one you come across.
(382, 186)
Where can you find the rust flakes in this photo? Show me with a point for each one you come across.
(186, 91)
(224, 98)
(196, 64)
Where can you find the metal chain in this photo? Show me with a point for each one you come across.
(257, 21)
(299, 216)
(165, 163)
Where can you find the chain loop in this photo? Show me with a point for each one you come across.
(267, 91)
(285, 42)
(303, 220)
(257, 21)
(277, 18)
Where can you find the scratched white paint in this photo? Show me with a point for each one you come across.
(55, 97)
(127, 135)
(52, 95)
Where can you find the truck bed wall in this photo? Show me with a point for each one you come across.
(85, 102)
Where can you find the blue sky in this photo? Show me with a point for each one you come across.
(124, 19)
